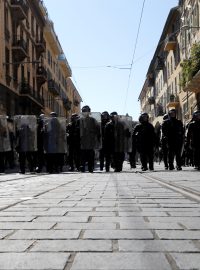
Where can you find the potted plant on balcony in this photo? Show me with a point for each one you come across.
(190, 66)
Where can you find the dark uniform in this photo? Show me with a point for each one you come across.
(26, 141)
(115, 136)
(73, 141)
(105, 118)
(89, 138)
(173, 132)
(40, 144)
(145, 141)
(164, 145)
(193, 138)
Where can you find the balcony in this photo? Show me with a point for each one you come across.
(170, 43)
(41, 75)
(20, 49)
(53, 87)
(27, 91)
(67, 104)
(65, 65)
(51, 36)
(150, 80)
(172, 101)
(194, 84)
(159, 65)
(19, 9)
(40, 47)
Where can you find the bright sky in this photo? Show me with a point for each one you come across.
(99, 39)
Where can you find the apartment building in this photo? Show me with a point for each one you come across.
(33, 66)
(166, 85)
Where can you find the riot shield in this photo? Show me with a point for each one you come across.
(55, 137)
(26, 132)
(128, 126)
(90, 131)
(5, 145)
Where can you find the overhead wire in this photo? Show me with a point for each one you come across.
(133, 57)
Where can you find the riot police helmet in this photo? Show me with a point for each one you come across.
(172, 113)
(144, 117)
(86, 108)
(53, 114)
(74, 116)
(105, 115)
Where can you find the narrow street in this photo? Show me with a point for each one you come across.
(117, 221)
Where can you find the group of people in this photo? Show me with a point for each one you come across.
(48, 143)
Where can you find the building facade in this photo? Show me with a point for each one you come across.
(33, 68)
(168, 83)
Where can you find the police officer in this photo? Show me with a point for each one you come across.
(145, 138)
(164, 145)
(89, 135)
(40, 144)
(173, 132)
(115, 136)
(193, 138)
(26, 141)
(73, 141)
(105, 118)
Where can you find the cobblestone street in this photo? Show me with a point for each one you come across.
(109, 221)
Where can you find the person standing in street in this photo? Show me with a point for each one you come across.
(164, 145)
(144, 133)
(73, 141)
(105, 118)
(89, 138)
(115, 136)
(173, 132)
(193, 138)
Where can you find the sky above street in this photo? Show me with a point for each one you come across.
(108, 52)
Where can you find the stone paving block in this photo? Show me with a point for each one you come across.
(157, 246)
(120, 261)
(185, 214)
(92, 214)
(8, 219)
(187, 261)
(143, 214)
(181, 205)
(26, 225)
(173, 219)
(45, 234)
(117, 234)
(16, 208)
(150, 225)
(72, 245)
(14, 245)
(174, 209)
(184, 234)
(3, 233)
(42, 201)
(77, 209)
(117, 219)
(85, 226)
(33, 261)
(66, 202)
(191, 225)
(61, 219)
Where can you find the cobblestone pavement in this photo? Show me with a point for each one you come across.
(99, 221)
